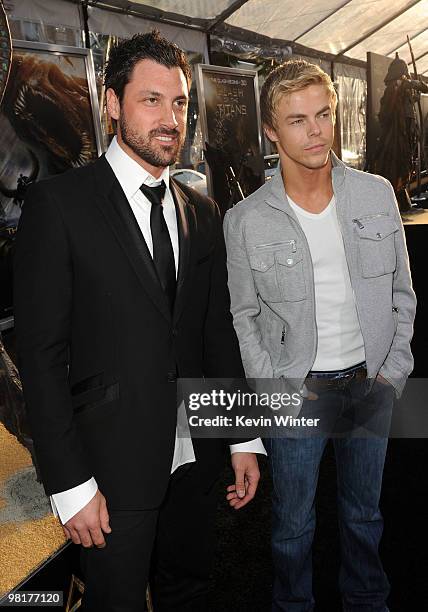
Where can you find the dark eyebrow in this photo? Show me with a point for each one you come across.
(147, 92)
(302, 116)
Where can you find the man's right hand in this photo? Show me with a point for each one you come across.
(87, 526)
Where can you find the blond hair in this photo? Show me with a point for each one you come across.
(291, 76)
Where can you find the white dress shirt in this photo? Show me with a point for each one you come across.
(131, 176)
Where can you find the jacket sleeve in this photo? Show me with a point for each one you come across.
(399, 361)
(42, 307)
(245, 305)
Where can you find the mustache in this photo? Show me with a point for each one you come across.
(164, 132)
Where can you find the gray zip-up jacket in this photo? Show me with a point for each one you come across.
(271, 278)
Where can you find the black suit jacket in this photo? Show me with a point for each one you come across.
(98, 349)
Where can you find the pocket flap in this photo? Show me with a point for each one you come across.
(91, 382)
(288, 259)
(378, 229)
(261, 261)
(88, 397)
(92, 406)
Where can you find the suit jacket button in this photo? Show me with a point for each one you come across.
(175, 332)
(171, 377)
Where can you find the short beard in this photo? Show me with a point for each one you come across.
(142, 146)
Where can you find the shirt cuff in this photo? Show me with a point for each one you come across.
(253, 446)
(68, 503)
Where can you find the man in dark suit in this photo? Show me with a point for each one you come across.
(120, 288)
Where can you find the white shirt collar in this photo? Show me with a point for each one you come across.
(129, 173)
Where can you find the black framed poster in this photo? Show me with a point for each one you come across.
(231, 128)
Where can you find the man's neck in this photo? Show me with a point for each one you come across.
(310, 188)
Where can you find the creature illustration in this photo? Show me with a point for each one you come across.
(398, 140)
(50, 112)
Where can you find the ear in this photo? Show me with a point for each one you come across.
(270, 133)
(113, 104)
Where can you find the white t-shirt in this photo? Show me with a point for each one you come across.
(340, 343)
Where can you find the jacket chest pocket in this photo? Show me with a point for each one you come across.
(278, 273)
(376, 244)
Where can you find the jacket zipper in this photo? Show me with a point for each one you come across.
(298, 228)
(271, 244)
(368, 218)
(360, 225)
(283, 334)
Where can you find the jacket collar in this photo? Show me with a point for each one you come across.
(277, 198)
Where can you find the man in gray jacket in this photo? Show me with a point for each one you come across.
(321, 295)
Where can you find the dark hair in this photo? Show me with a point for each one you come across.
(127, 53)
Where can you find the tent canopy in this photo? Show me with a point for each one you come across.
(342, 28)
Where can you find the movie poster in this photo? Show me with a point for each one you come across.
(377, 68)
(49, 122)
(229, 106)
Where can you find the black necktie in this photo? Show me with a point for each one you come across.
(163, 255)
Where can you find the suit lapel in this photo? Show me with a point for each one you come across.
(115, 207)
(182, 208)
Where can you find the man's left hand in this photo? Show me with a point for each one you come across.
(247, 476)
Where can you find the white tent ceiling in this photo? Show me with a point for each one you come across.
(337, 27)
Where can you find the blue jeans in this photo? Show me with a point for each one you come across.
(360, 458)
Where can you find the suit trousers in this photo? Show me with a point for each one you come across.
(173, 545)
